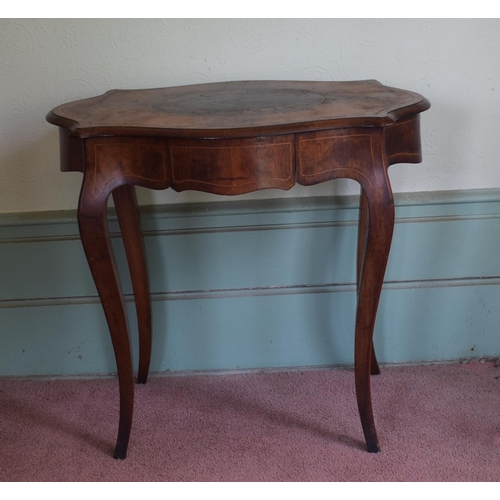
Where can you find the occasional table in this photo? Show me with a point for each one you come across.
(232, 138)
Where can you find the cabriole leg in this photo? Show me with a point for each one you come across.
(379, 210)
(130, 224)
(93, 224)
(362, 232)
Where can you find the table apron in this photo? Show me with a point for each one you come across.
(238, 166)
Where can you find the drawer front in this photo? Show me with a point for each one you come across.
(232, 166)
(332, 154)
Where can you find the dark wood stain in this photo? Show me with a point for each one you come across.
(232, 138)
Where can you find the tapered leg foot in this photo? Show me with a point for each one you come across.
(372, 445)
(120, 450)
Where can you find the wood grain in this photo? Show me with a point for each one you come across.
(233, 138)
(237, 109)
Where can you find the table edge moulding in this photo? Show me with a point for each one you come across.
(232, 138)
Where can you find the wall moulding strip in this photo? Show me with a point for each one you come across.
(257, 285)
(257, 291)
(62, 225)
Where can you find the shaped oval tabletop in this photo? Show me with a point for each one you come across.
(237, 109)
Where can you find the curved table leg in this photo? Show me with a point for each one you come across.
(362, 232)
(380, 211)
(130, 224)
(92, 220)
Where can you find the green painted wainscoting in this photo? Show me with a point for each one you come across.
(267, 284)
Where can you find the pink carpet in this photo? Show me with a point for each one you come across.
(435, 423)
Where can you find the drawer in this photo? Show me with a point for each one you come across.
(232, 166)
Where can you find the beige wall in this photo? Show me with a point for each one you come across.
(43, 63)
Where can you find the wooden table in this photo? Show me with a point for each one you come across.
(233, 138)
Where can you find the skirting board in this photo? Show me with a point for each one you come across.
(257, 285)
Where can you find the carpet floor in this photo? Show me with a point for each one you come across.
(435, 423)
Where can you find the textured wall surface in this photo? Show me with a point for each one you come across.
(45, 62)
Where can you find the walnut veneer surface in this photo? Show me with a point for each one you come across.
(232, 138)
